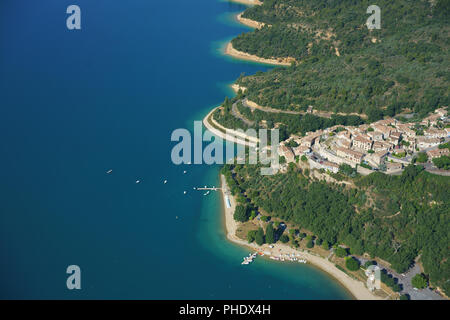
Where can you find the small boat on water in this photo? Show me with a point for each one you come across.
(206, 193)
(109, 171)
(138, 181)
(165, 181)
(184, 192)
(184, 171)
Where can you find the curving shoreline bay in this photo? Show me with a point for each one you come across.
(356, 288)
(231, 51)
(248, 22)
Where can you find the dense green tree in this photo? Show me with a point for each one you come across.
(419, 281)
(284, 238)
(251, 235)
(259, 237)
(421, 157)
(241, 213)
(351, 264)
(270, 234)
(341, 252)
(442, 162)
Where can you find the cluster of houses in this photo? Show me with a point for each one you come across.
(387, 144)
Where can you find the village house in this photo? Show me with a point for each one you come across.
(352, 157)
(387, 122)
(301, 150)
(344, 143)
(425, 142)
(308, 141)
(395, 137)
(377, 158)
(385, 130)
(382, 146)
(393, 166)
(399, 150)
(375, 135)
(344, 135)
(435, 133)
(431, 120)
(410, 144)
(442, 112)
(330, 166)
(362, 143)
(287, 153)
(406, 130)
(436, 153)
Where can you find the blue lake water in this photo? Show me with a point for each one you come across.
(75, 104)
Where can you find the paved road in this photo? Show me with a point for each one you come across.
(271, 110)
(235, 112)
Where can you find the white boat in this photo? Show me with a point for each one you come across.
(185, 192)
(206, 193)
(109, 171)
(165, 181)
(274, 258)
(184, 171)
(138, 181)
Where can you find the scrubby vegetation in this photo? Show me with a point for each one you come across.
(404, 65)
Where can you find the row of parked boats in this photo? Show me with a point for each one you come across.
(250, 258)
(286, 257)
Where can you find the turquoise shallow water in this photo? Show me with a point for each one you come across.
(77, 103)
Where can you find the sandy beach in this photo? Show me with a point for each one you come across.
(229, 50)
(356, 288)
(248, 2)
(249, 23)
